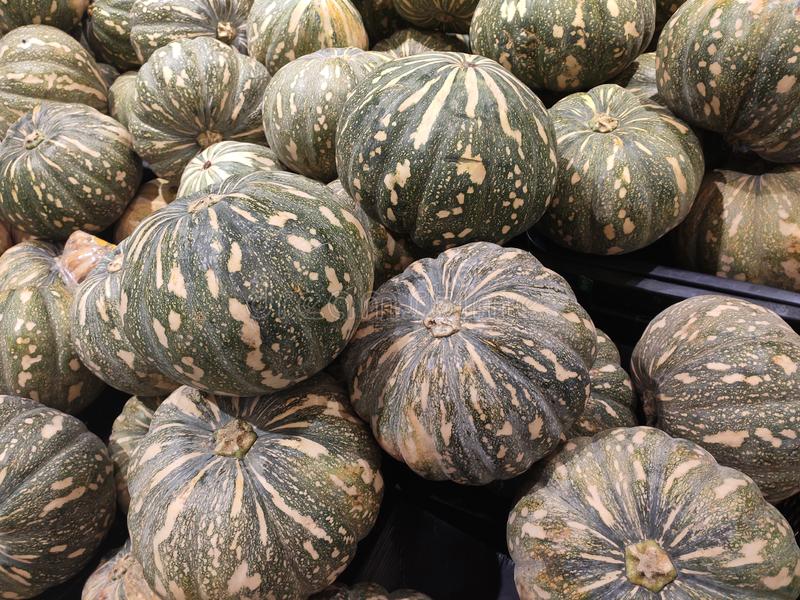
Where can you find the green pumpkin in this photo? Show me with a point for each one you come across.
(121, 95)
(409, 42)
(573, 46)
(57, 488)
(732, 67)
(628, 172)
(303, 104)
(449, 15)
(723, 373)
(471, 366)
(430, 169)
(634, 513)
(156, 23)
(265, 497)
(154, 194)
(190, 94)
(639, 77)
(109, 73)
(280, 31)
(367, 591)
(63, 14)
(380, 18)
(108, 31)
(38, 62)
(118, 577)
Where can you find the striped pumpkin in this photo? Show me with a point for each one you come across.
(108, 31)
(367, 591)
(58, 496)
(634, 513)
(121, 95)
(191, 94)
(303, 103)
(56, 179)
(380, 18)
(575, 47)
(153, 195)
(472, 366)
(628, 172)
(409, 42)
(38, 62)
(433, 171)
(225, 159)
(280, 31)
(156, 23)
(639, 77)
(448, 15)
(118, 577)
(63, 14)
(732, 67)
(266, 497)
(723, 373)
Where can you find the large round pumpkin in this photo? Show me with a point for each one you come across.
(118, 577)
(57, 487)
(56, 179)
(473, 365)
(193, 93)
(367, 591)
(628, 172)
(63, 14)
(430, 168)
(449, 15)
(154, 194)
(408, 42)
(280, 31)
(272, 493)
(303, 103)
(108, 31)
(724, 373)
(732, 67)
(634, 513)
(746, 227)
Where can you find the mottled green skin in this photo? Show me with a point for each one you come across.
(447, 15)
(63, 14)
(121, 95)
(572, 46)
(282, 521)
(108, 31)
(598, 496)
(367, 591)
(723, 373)
(280, 31)
(38, 62)
(472, 366)
(628, 172)
(32, 263)
(380, 18)
(191, 94)
(156, 23)
(56, 179)
(57, 492)
(639, 77)
(409, 42)
(432, 170)
(732, 67)
(303, 104)
(154, 194)
(118, 577)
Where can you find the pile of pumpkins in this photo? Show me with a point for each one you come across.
(320, 271)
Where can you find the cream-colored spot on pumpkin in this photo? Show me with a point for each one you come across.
(728, 486)
(732, 439)
(785, 84)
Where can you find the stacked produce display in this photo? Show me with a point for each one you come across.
(267, 272)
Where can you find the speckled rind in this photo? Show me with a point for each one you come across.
(280, 522)
(446, 15)
(639, 77)
(108, 31)
(118, 577)
(62, 14)
(599, 495)
(154, 194)
(120, 96)
(723, 373)
(367, 591)
(409, 42)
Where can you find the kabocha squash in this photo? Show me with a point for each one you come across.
(154, 194)
(633, 513)
(108, 31)
(58, 496)
(628, 172)
(109, 73)
(191, 94)
(380, 18)
(303, 103)
(732, 67)
(38, 62)
(280, 31)
(471, 366)
(225, 159)
(63, 14)
(746, 226)
(409, 42)
(118, 577)
(271, 494)
(56, 179)
(156, 23)
(723, 372)
(449, 15)
(575, 47)
(430, 169)
(121, 95)
(639, 77)
(367, 591)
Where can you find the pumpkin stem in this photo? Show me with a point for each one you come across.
(647, 565)
(603, 123)
(204, 202)
(207, 138)
(226, 32)
(33, 139)
(444, 319)
(81, 254)
(234, 439)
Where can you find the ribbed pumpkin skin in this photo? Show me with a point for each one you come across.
(226, 159)
(628, 172)
(722, 372)
(379, 17)
(303, 103)
(432, 170)
(108, 31)
(156, 23)
(471, 366)
(577, 533)
(56, 179)
(154, 194)
(367, 591)
(745, 227)
(409, 42)
(284, 518)
(191, 94)
(448, 15)
(63, 14)
(121, 95)
(732, 67)
(38, 62)
(639, 77)
(575, 47)
(118, 577)
(58, 496)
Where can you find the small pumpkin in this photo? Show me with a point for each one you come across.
(58, 496)
(153, 195)
(118, 577)
(120, 96)
(366, 591)
(409, 42)
(380, 18)
(449, 15)
(108, 31)
(634, 513)
(723, 373)
(63, 14)
(639, 77)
